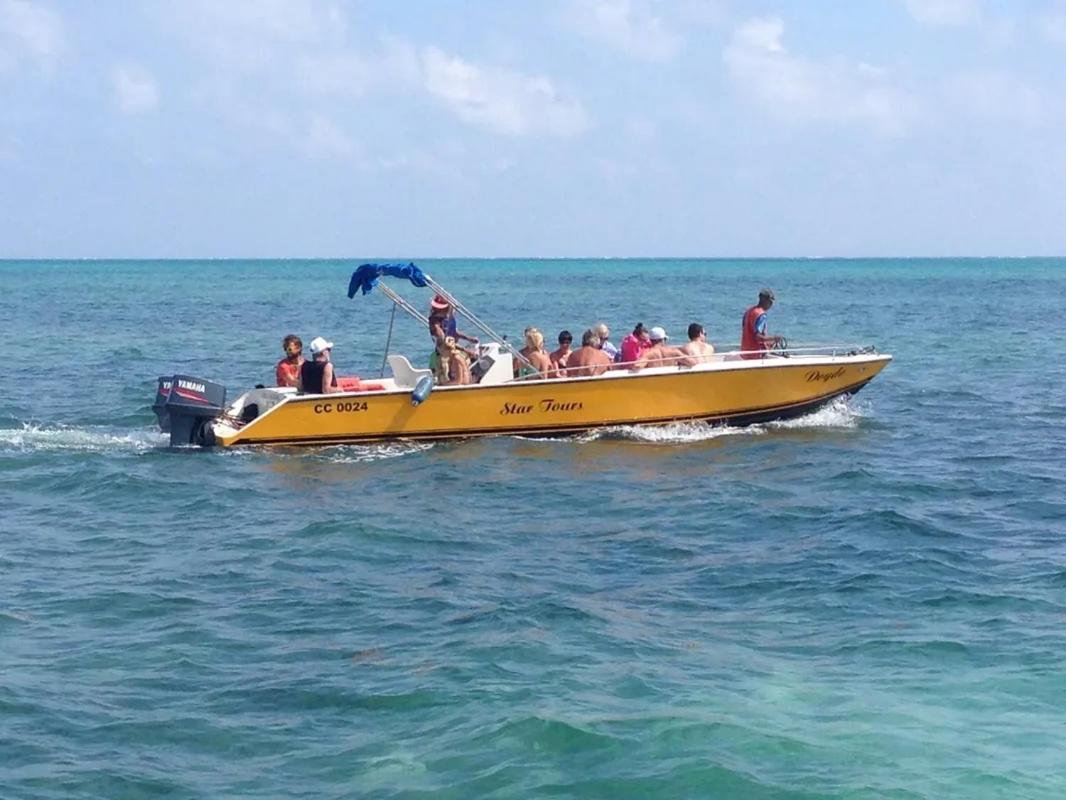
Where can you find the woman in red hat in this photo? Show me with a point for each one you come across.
(442, 324)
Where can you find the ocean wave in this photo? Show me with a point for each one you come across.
(93, 439)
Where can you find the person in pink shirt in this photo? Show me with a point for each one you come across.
(635, 344)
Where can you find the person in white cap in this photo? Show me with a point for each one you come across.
(317, 377)
(659, 354)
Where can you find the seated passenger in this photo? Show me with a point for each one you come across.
(453, 367)
(287, 372)
(659, 354)
(604, 334)
(634, 344)
(590, 359)
(317, 377)
(534, 353)
(698, 349)
(558, 357)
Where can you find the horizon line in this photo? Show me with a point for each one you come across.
(364, 259)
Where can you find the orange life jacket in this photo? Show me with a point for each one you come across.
(748, 339)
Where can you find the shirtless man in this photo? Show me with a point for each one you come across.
(698, 349)
(589, 360)
(660, 354)
(559, 357)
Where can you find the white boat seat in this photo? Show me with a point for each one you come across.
(404, 374)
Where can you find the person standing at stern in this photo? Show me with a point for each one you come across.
(754, 341)
(442, 322)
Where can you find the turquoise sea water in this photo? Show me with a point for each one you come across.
(869, 602)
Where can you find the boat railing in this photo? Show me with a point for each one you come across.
(824, 350)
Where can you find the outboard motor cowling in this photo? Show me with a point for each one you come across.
(162, 392)
(191, 405)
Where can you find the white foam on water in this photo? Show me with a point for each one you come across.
(364, 453)
(842, 414)
(88, 439)
(671, 433)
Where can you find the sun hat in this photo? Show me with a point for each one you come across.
(318, 344)
(440, 301)
(657, 334)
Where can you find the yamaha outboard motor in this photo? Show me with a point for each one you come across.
(191, 405)
(162, 392)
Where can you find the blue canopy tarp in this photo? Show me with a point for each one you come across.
(366, 277)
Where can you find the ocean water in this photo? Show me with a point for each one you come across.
(869, 602)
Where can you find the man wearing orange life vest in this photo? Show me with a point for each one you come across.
(754, 341)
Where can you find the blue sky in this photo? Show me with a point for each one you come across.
(278, 128)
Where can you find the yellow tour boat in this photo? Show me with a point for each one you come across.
(727, 389)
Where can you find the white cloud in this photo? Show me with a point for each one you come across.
(334, 73)
(249, 35)
(1052, 23)
(627, 25)
(325, 140)
(29, 32)
(303, 49)
(500, 100)
(997, 95)
(804, 90)
(135, 89)
(391, 64)
(944, 12)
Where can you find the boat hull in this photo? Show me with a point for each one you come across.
(736, 393)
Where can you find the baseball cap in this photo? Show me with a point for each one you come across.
(768, 293)
(656, 334)
(318, 344)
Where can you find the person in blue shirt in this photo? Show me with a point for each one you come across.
(754, 341)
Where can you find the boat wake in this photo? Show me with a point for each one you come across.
(672, 433)
(841, 414)
(90, 439)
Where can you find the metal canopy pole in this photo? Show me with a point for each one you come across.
(410, 309)
(388, 342)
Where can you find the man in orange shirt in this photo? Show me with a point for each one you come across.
(754, 340)
(287, 372)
